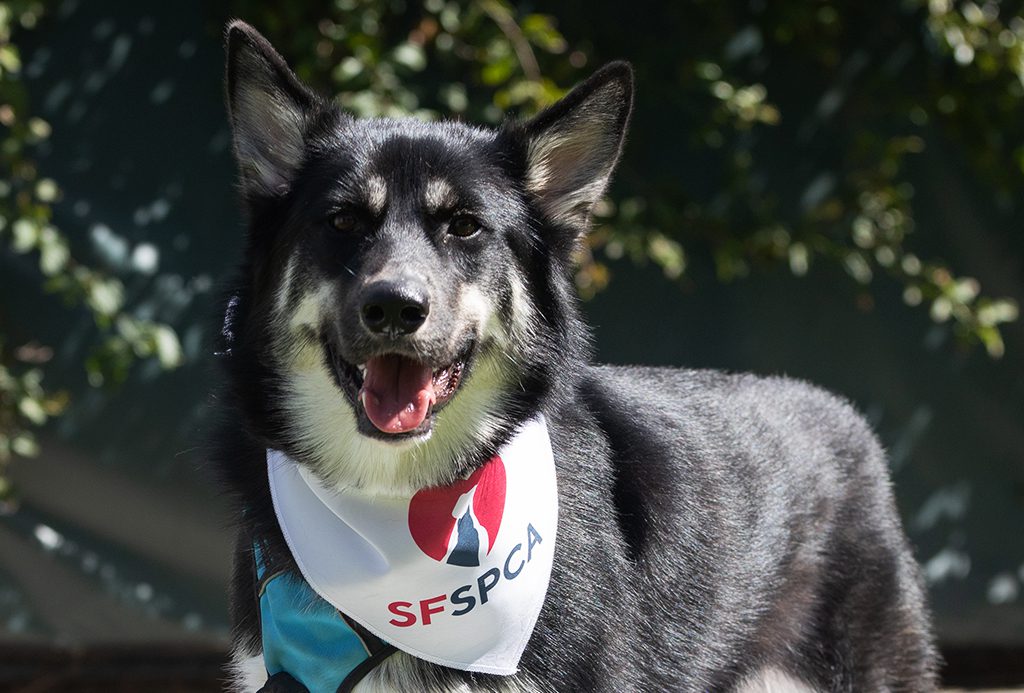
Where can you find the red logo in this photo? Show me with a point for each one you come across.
(458, 524)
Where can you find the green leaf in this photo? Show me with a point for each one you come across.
(992, 313)
(799, 259)
(25, 235)
(24, 444)
(993, 341)
(499, 70)
(32, 410)
(9, 58)
(106, 296)
(53, 253)
(668, 254)
(47, 190)
(411, 56)
(541, 31)
(168, 348)
(39, 128)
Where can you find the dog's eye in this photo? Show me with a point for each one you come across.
(463, 225)
(344, 221)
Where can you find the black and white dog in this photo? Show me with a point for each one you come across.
(406, 306)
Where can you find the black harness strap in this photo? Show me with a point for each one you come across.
(368, 665)
(378, 649)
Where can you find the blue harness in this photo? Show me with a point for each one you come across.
(307, 643)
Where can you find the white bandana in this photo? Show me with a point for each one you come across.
(454, 575)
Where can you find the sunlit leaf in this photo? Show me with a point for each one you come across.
(32, 409)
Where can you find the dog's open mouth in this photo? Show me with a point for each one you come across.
(398, 394)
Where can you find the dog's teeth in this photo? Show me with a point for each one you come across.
(362, 369)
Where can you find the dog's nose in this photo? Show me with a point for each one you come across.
(395, 308)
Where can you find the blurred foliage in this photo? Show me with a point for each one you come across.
(770, 135)
(876, 83)
(475, 60)
(26, 229)
(877, 103)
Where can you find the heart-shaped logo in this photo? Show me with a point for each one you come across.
(458, 524)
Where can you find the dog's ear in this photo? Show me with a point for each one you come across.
(573, 146)
(269, 108)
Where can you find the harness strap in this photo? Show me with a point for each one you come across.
(368, 665)
(378, 649)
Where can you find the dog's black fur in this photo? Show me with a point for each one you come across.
(711, 526)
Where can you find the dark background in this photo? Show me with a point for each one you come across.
(119, 543)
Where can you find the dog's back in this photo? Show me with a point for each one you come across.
(756, 530)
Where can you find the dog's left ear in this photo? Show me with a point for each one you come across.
(269, 109)
(573, 146)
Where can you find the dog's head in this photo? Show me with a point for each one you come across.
(406, 292)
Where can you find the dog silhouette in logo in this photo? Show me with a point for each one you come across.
(458, 524)
(469, 542)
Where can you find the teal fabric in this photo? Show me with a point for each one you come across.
(304, 635)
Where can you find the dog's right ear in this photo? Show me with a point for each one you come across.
(269, 109)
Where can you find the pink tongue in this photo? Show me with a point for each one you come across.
(397, 393)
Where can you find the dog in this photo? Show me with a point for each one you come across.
(403, 317)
